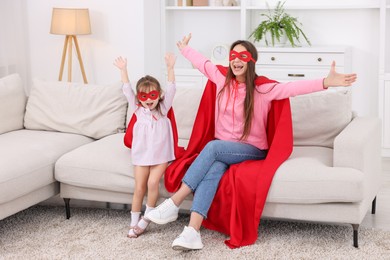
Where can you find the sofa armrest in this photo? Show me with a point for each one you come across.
(358, 146)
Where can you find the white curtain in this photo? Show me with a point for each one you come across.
(13, 39)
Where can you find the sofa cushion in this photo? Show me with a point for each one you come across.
(12, 104)
(308, 177)
(319, 117)
(91, 110)
(188, 97)
(102, 165)
(27, 159)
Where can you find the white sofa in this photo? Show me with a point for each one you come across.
(71, 135)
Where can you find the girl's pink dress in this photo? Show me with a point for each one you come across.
(152, 133)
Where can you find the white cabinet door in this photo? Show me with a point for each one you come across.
(290, 64)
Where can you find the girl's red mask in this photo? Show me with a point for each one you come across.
(245, 56)
(153, 95)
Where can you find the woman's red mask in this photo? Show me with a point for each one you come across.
(153, 95)
(245, 56)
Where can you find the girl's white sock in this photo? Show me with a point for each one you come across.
(135, 216)
(148, 209)
(144, 222)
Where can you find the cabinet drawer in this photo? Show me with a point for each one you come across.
(293, 74)
(300, 58)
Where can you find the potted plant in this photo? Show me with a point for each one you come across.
(279, 24)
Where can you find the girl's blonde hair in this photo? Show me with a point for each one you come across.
(147, 84)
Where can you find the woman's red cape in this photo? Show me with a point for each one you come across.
(238, 204)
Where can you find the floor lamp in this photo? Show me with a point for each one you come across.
(70, 22)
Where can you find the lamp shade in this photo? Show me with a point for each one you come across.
(67, 21)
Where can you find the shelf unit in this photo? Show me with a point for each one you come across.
(233, 22)
(238, 22)
(384, 75)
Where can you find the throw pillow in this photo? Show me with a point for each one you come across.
(91, 110)
(12, 103)
(319, 117)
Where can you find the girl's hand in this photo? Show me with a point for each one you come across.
(120, 63)
(170, 60)
(183, 43)
(335, 79)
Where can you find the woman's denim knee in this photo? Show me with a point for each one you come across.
(204, 175)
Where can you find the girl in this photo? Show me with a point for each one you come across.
(152, 142)
(238, 97)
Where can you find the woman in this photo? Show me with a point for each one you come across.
(239, 94)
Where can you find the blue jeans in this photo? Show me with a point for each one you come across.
(206, 171)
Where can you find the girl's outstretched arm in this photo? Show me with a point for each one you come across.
(121, 63)
(170, 60)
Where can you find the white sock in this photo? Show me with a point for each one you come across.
(135, 216)
(148, 209)
(144, 222)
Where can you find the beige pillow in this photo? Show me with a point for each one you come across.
(91, 110)
(319, 117)
(12, 103)
(185, 107)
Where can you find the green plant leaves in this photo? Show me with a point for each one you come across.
(277, 22)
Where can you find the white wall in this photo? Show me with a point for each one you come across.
(358, 28)
(13, 35)
(131, 28)
(117, 29)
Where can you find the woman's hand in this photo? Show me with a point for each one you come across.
(184, 42)
(121, 63)
(335, 79)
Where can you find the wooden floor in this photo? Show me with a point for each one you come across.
(381, 219)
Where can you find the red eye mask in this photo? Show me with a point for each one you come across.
(245, 56)
(153, 95)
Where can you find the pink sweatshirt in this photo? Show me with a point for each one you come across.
(229, 112)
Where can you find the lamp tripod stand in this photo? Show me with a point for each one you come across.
(68, 48)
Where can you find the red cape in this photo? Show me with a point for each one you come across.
(238, 204)
(128, 138)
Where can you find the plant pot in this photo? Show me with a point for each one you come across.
(277, 43)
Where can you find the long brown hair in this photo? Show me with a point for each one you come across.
(250, 76)
(148, 83)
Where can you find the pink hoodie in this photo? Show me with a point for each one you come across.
(229, 110)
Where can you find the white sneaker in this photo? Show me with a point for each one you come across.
(189, 239)
(164, 213)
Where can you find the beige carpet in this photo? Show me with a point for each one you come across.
(42, 232)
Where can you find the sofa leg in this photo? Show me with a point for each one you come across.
(67, 208)
(373, 208)
(355, 235)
